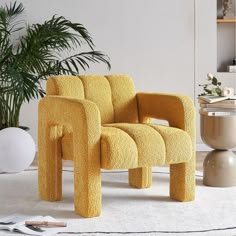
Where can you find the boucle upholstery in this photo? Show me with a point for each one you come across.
(100, 122)
(164, 146)
(148, 143)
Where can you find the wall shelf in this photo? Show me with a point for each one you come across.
(226, 36)
(226, 20)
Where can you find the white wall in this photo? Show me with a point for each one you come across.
(154, 41)
(207, 53)
(205, 49)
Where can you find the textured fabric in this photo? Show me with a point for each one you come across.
(93, 120)
(65, 85)
(67, 146)
(175, 139)
(148, 142)
(125, 209)
(179, 111)
(84, 118)
(123, 98)
(118, 149)
(97, 90)
(143, 145)
(140, 177)
(113, 94)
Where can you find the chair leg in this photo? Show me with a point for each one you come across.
(182, 181)
(87, 192)
(140, 177)
(87, 178)
(50, 163)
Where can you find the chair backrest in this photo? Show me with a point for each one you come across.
(114, 95)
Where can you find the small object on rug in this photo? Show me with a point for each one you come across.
(31, 225)
(46, 224)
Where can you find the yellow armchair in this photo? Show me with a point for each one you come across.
(99, 122)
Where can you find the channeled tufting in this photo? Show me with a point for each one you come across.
(101, 122)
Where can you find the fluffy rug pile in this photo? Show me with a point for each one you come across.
(126, 210)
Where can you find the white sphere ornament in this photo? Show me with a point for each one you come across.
(17, 150)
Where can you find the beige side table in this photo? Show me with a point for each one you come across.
(219, 167)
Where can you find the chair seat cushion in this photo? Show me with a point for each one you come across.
(125, 145)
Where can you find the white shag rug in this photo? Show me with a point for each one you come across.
(126, 210)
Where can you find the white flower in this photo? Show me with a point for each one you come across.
(227, 92)
(210, 76)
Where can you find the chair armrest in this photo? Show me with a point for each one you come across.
(81, 117)
(59, 116)
(70, 110)
(178, 110)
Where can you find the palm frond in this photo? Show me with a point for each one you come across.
(14, 9)
(27, 60)
(73, 63)
(9, 24)
(23, 85)
(57, 34)
(9, 17)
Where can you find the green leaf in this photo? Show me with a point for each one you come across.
(39, 53)
(218, 91)
(207, 90)
(214, 81)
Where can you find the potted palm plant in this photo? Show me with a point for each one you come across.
(31, 53)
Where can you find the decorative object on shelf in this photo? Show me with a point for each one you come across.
(211, 88)
(232, 68)
(17, 150)
(228, 9)
(31, 53)
(234, 61)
